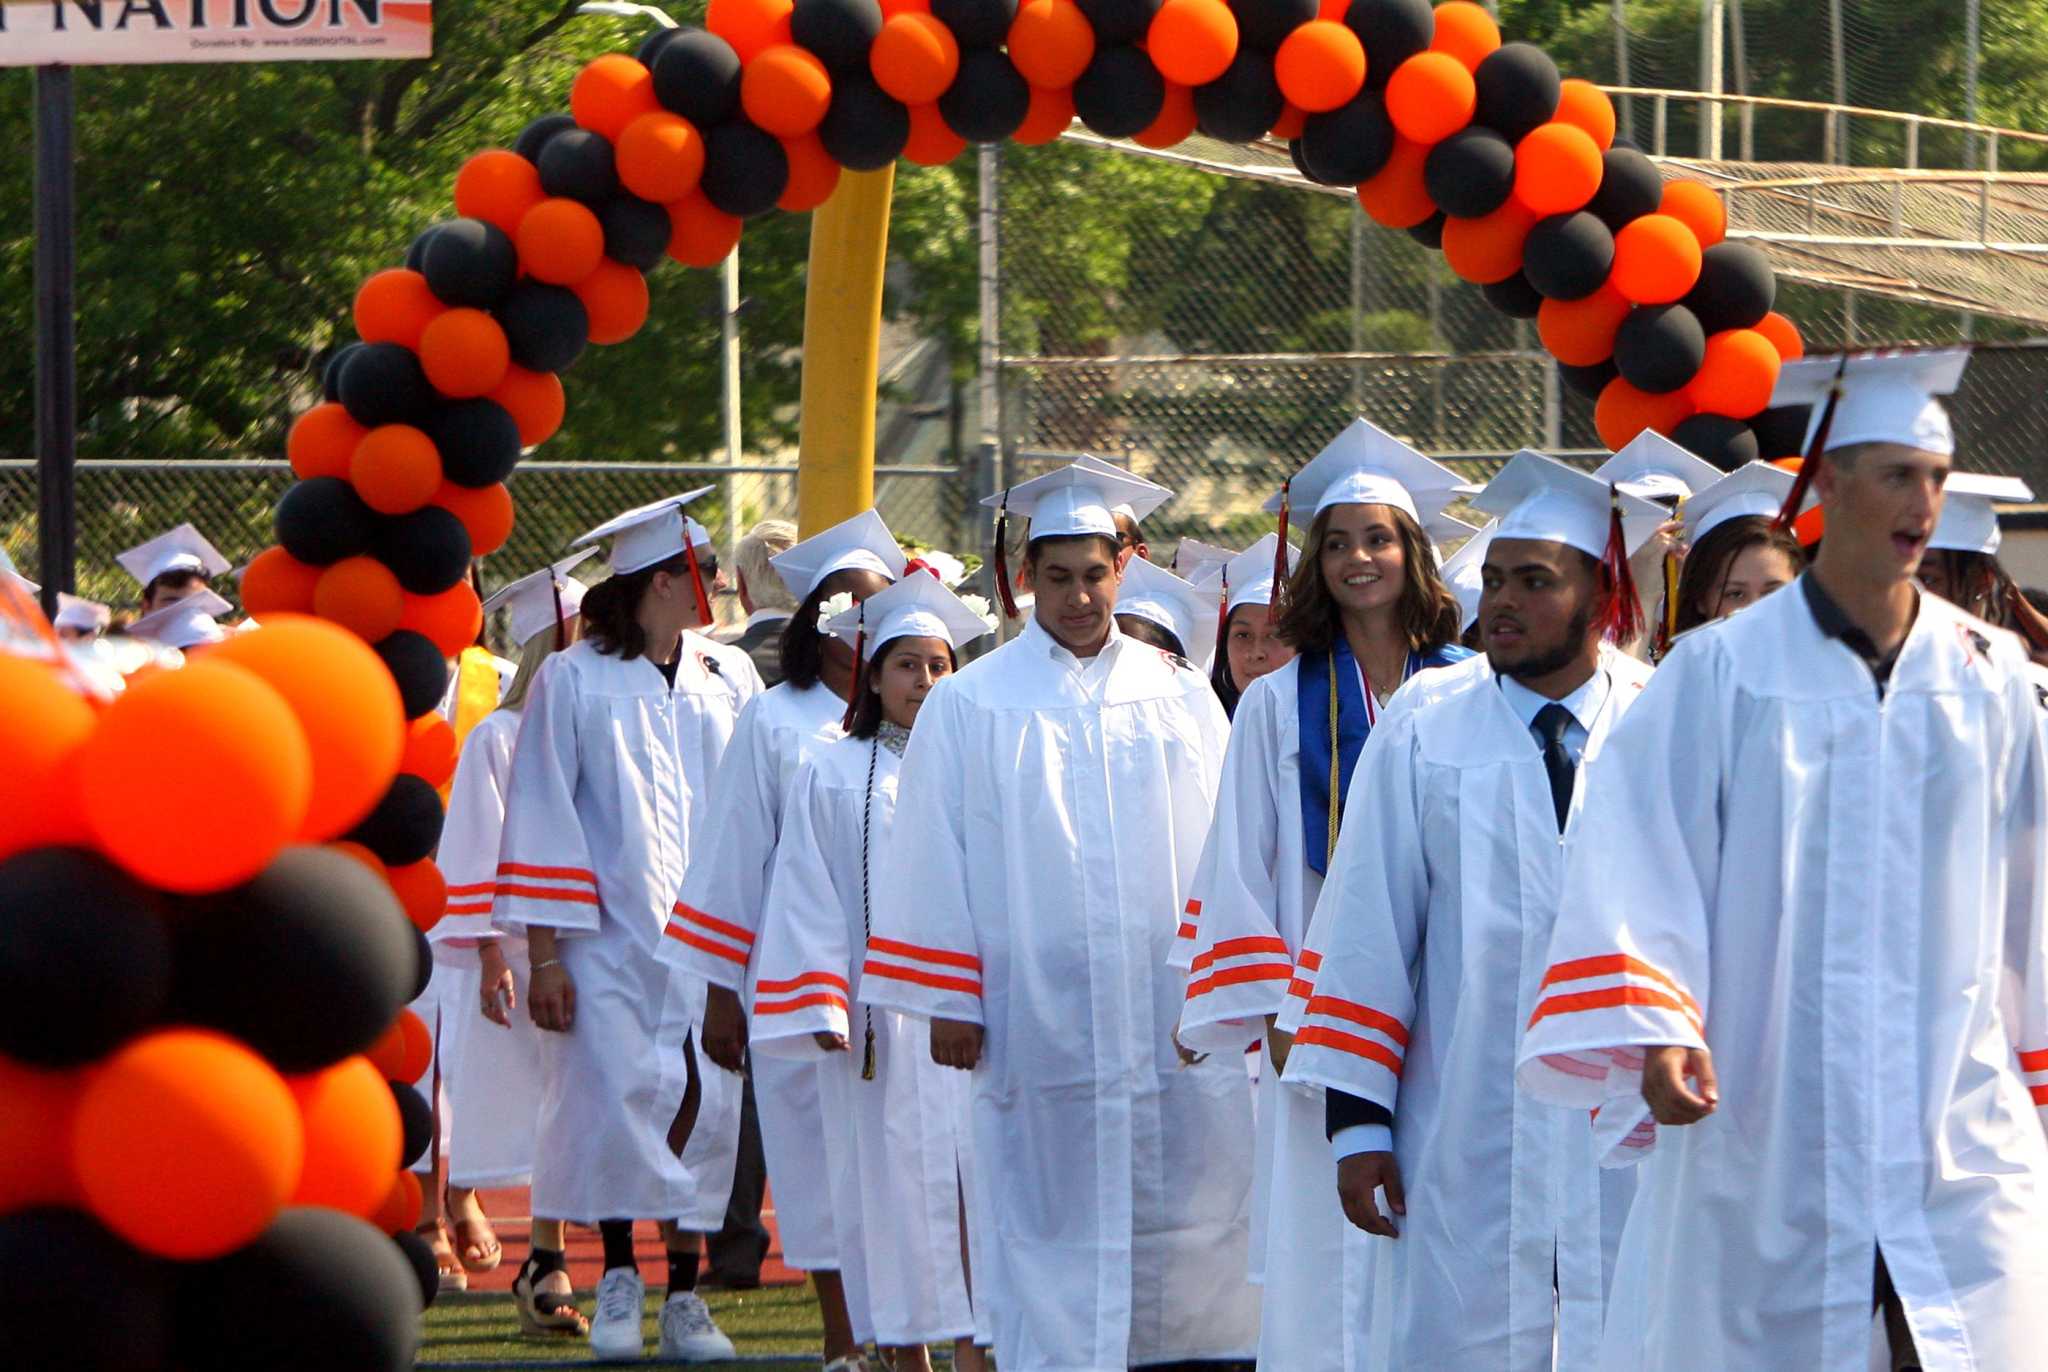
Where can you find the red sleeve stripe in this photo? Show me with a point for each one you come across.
(1620, 965)
(1243, 947)
(574, 897)
(795, 1003)
(704, 945)
(1300, 989)
(1317, 1036)
(473, 888)
(2036, 1061)
(693, 915)
(941, 956)
(1311, 959)
(1333, 1008)
(526, 869)
(1610, 998)
(468, 907)
(2040, 1094)
(1194, 908)
(1238, 976)
(915, 977)
(778, 988)
(1185, 931)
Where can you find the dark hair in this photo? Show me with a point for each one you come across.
(1145, 631)
(1034, 548)
(175, 580)
(611, 608)
(1129, 533)
(1705, 573)
(801, 647)
(1979, 584)
(867, 701)
(1429, 613)
(1220, 680)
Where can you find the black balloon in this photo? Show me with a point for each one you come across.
(416, 251)
(423, 964)
(1430, 232)
(976, 23)
(988, 100)
(330, 375)
(698, 77)
(1119, 21)
(416, 1119)
(1630, 187)
(579, 164)
(1392, 31)
(469, 262)
(99, 1306)
(420, 671)
(85, 962)
(307, 962)
(1518, 89)
(1589, 381)
(1121, 92)
(1736, 288)
(427, 550)
(383, 383)
(745, 169)
(1471, 173)
(322, 520)
(1568, 256)
(478, 441)
(1351, 143)
(1514, 297)
(636, 231)
(837, 32)
(535, 136)
(545, 326)
(1781, 430)
(318, 1291)
(866, 128)
(412, 1245)
(1265, 24)
(402, 829)
(1240, 105)
(651, 46)
(1659, 348)
(1727, 443)
(1294, 156)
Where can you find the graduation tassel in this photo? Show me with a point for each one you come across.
(697, 579)
(561, 627)
(1623, 622)
(1667, 625)
(860, 660)
(1809, 466)
(1223, 614)
(1002, 559)
(1280, 555)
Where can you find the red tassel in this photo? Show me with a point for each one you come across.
(697, 580)
(561, 629)
(860, 671)
(1788, 514)
(1223, 615)
(1623, 622)
(1002, 559)
(1273, 606)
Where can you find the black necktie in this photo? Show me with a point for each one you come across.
(1549, 725)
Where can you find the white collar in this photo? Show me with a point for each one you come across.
(1585, 703)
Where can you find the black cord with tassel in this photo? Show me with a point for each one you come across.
(867, 929)
(1273, 606)
(1809, 466)
(1002, 558)
(1624, 619)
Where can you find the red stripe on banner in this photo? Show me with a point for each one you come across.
(704, 944)
(1619, 964)
(524, 869)
(1239, 947)
(938, 955)
(1613, 996)
(2036, 1061)
(1238, 976)
(776, 988)
(507, 888)
(714, 924)
(1359, 1014)
(786, 1007)
(917, 978)
(1315, 1035)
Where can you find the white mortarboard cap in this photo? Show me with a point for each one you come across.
(950, 570)
(1173, 604)
(1077, 499)
(1969, 524)
(1126, 508)
(1755, 488)
(651, 533)
(1538, 497)
(918, 606)
(1442, 529)
(1653, 467)
(1247, 578)
(1366, 465)
(530, 602)
(184, 623)
(1886, 397)
(862, 542)
(1193, 558)
(76, 612)
(180, 550)
(1461, 572)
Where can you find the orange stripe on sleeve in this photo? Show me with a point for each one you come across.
(1194, 908)
(777, 988)
(1311, 959)
(1359, 1014)
(1619, 964)
(791, 1006)
(941, 956)
(525, 869)
(574, 897)
(1185, 931)
(704, 945)
(918, 978)
(1237, 976)
(1315, 1035)
(717, 926)
(2034, 1062)
(2040, 1094)
(473, 888)
(1241, 947)
(1609, 998)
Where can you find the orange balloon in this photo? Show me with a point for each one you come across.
(1320, 66)
(1430, 97)
(610, 93)
(813, 175)
(404, 1051)
(35, 1137)
(1656, 260)
(1175, 122)
(1699, 208)
(751, 26)
(278, 583)
(1580, 333)
(1289, 125)
(497, 186)
(932, 143)
(356, 852)
(615, 298)
(1051, 43)
(1586, 105)
(1739, 374)
(1192, 41)
(347, 706)
(353, 1137)
(179, 752)
(394, 306)
(914, 58)
(1489, 248)
(396, 469)
(421, 888)
(485, 511)
(465, 353)
(701, 234)
(560, 241)
(450, 619)
(1465, 31)
(400, 1209)
(322, 441)
(536, 402)
(785, 90)
(361, 595)
(1395, 197)
(1622, 412)
(892, 8)
(1810, 527)
(1782, 332)
(660, 157)
(430, 748)
(185, 1143)
(1050, 114)
(1557, 168)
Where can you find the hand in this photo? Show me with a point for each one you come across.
(1671, 1101)
(1361, 1174)
(1188, 1056)
(1278, 1042)
(551, 998)
(831, 1043)
(956, 1043)
(725, 1028)
(500, 992)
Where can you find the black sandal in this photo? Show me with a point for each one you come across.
(551, 1314)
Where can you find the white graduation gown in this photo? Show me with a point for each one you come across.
(1438, 910)
(1050, 815)
(715, 922)
(1843, 899)
(895, 1144)
(610, 764)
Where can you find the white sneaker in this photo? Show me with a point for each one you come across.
(688, 1333)
(615, 1333)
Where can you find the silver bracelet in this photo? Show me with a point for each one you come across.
(536, 966)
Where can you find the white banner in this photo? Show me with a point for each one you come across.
(36, 33)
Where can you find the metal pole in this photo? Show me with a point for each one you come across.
(1357, 305)
(1972, 41)
(1713, 76)
(729, 349)
(56, 271)
(989, 463)
(1738, 52)
(1837, 135)
(1621, 73)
